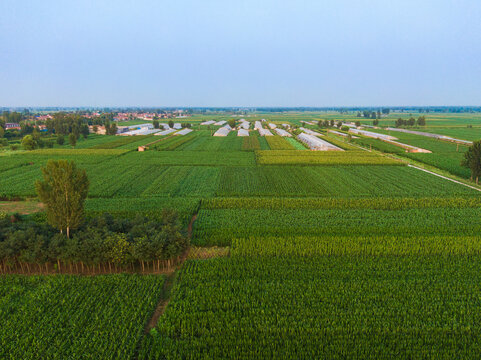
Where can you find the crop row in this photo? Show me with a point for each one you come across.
(74, 152)
(380, 203)
(296, 144)
(206, 142)
(287, 157)
(125, 176)
(174, 141)
(119, 141)
(339, 143)
(72, 317)
(334, 181)
(219, 227)
(195, 158)
(279, 143)
(357, 245)
(251, 143)
(332, 307)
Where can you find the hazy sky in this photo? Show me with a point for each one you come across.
(240, 52)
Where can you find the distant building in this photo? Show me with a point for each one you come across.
(12, 126)
(100, 129)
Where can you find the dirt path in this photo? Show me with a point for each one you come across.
(166, 290)
(164, 301)
(191, 224)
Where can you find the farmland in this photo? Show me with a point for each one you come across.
(70, 316)
(325, 307)
(298, 253)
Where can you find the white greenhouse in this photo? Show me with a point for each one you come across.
(166, 132)
(310, 132)
(210, 122)
(314, 143)
(183, 131)
(282, 132)
(242, 132)
(223, 131)
(372, 134)
(341, 134)
(245, 125)
(264, 132)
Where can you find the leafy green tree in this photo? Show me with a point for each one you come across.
(422, 121)
(60, 140)
(375, 122)
(110, 128)
(36, 134)
(472, 160)
(113, 129)
(171, 123)
(63, 192)
(2, 132)
(28, 142)
(84, 130)
(72, 139)
(156, 124)
(358, 123)
(232, 123)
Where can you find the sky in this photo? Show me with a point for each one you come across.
(243, 53)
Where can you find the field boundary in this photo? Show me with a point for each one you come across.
(444, 177)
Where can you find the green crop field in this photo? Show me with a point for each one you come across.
(67, 317)
(324, 307)
(295, 254)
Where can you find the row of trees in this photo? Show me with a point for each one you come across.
(421, 121)
(101, 245)
(65, 123)
(34, 141)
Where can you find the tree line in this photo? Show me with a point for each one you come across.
(421, 121)
(100, 245)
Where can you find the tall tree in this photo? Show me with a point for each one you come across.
(72, 139)
(63, 192)
(421, 121)
(84, 130)
(60, 140)
(472, 160)
(29, 143)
